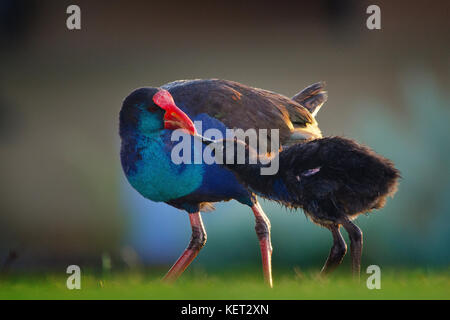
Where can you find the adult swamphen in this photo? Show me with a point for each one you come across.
(333, 179)
(148, 118)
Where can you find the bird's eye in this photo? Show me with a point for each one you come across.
(149, 108)
(152, 108)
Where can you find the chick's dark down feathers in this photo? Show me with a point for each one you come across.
(329, 178)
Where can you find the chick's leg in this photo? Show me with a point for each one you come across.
(356, 243)
(337, 251)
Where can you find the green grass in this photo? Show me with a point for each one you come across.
(395, 284)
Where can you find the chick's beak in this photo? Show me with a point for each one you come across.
(174, 118)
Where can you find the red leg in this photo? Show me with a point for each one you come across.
(198, 240)
(262, 229)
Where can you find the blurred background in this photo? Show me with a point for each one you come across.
(65, 200)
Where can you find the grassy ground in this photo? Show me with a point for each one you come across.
(410, 284)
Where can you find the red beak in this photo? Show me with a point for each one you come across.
(174, 118)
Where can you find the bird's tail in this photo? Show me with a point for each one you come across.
(312, 97)
(302, 114)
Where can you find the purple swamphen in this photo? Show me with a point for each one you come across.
(148, 118)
